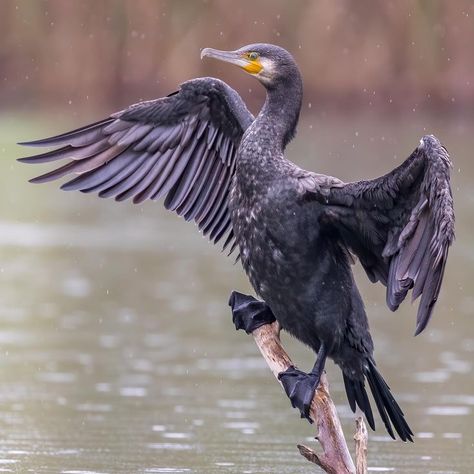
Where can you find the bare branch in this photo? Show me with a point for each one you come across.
(360, 438)
(335, 458)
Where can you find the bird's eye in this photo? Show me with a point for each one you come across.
(253, 56)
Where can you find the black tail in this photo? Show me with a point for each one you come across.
(386, 404)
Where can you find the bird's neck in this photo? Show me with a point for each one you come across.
(281, 110)
(263, 144)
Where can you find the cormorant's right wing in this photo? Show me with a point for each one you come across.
(399, 225)
(182, 147)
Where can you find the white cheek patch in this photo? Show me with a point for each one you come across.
(268, 65)
(268, 70)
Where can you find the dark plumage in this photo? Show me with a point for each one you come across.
(202, 150)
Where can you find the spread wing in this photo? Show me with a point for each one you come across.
(400, 225)
(181, 147)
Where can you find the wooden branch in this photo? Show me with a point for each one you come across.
(335, 458)
(361, 437)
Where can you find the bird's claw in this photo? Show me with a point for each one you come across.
(249, 313)
(300, 388)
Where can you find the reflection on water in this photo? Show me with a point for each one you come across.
(119, 355)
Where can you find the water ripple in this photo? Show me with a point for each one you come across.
(448, 410)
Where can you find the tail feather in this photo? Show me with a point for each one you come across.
(393, 409)
(380, 406)
(363, 402)
(350, 391)
(389, 410)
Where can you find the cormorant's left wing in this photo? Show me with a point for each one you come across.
(181, 147)
(399, 225)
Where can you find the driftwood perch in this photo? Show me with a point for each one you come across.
(361, 438)
(335, 458)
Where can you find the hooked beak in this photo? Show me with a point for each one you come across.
(233, 57)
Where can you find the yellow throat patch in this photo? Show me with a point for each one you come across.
(253, 67)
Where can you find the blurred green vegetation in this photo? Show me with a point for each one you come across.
(103, 54)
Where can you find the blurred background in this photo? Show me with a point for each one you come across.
(103, 54)
(117, 350)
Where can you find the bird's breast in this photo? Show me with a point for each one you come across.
(267, 223)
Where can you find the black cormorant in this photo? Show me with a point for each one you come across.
(296, 231)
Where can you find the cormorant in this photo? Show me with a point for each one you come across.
(296, 231)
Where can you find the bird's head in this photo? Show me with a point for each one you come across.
(270, 64)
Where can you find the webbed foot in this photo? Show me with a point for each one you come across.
(249, 313)
(300, 388)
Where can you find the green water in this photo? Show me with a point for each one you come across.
(117, 350)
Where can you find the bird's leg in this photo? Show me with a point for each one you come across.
(300, 386)
(249, 313)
